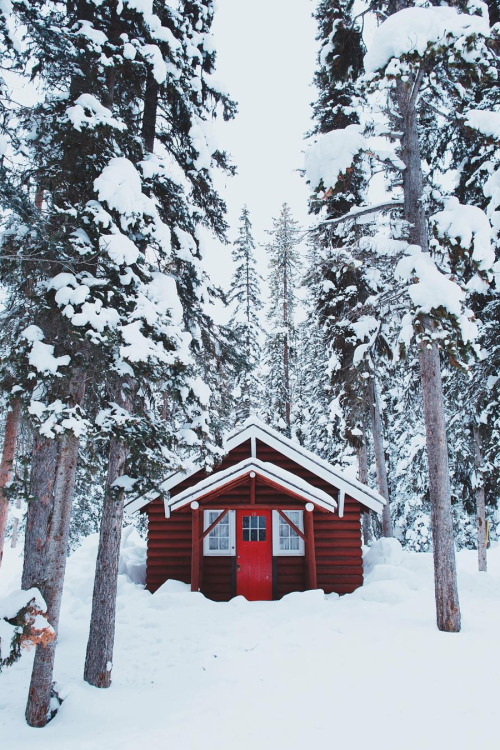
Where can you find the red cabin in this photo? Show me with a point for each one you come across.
(272, 518)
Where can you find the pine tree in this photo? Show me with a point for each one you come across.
(245, 297)
(400, 72)
(109, 247)
(279, 355)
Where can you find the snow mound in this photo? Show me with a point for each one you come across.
(384, 572)
(133, 556)
(385, 551)
(171, 586)
(384, 592)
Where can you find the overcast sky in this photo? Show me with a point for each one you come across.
(266, 53)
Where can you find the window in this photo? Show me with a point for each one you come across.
(254, 529)
(286, 541)
(220, 541)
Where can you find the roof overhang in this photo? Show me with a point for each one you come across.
(291, 485)
(253, 429)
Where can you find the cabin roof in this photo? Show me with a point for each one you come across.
(264, 470)
(253, 429)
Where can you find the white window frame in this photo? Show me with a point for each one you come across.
(277, 552)
(231, 552)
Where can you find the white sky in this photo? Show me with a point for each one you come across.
(266, 53)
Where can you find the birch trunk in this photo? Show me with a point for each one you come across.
(378, 449)
(99, 656)
(49, 514)
(480, 502)
(363, 477)
(9, 450)
(445, 579)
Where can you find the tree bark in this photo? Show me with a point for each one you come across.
(9, 450)
(378, 449)
(480, 502)
(46, 544)
(363, 477)
(150, 112)
(99, 656)
(445, 579)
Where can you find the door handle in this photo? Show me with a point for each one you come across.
(238, 567)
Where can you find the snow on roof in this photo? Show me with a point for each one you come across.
(252, 429)
(264, 470)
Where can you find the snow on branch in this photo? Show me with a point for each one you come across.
(355, 213)
(413, 30)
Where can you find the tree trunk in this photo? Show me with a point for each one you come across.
(363, 477)
(445, 579)
(46, 544)
(480, 501)
(9, 449)
(149, 113)
(99, 656)
(378, 449)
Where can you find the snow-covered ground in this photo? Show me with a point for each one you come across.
(369, 670)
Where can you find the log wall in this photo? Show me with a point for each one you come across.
(337, 540)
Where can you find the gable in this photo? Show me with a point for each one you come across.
(257, 440)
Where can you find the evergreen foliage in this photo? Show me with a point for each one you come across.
(280, 347)
(246, 298)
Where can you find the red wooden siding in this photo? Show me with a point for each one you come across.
(290, 575)
(218, 580)
(337, 540)
(339, 561)
(169, 546)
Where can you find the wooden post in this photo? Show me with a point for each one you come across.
(312, 579)
(195, 550)
(252, 488)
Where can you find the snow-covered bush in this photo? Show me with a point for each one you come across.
(22, 624)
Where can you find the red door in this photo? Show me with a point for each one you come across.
(254, 550)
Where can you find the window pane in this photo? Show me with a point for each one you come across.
(246, 535)
(294, 542)
(223, 530)
(262, 535)
(213, 543)
(253, 535)
(284, 544)
(285, 530)
(224, 543)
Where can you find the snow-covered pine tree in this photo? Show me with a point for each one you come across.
(183, 103)
(103, 271)
(448, 51)
(279, 352)
(245, 297)
(340, 282)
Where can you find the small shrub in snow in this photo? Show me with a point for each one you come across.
(22, 625)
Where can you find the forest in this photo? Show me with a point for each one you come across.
(370, 338)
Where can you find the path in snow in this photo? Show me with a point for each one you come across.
(369, 669)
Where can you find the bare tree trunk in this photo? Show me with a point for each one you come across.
(480, 501)
(363, 477)
(378, 449)
(150, 112)
(445, 578)
(46, 544)
(99, 656)
(9, 449)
